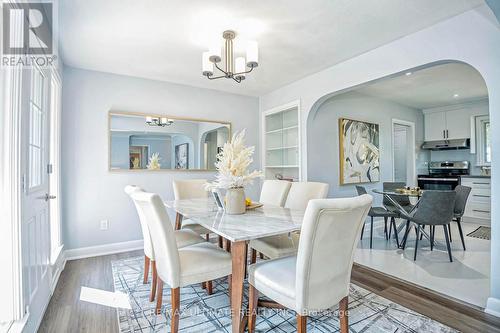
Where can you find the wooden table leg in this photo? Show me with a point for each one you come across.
(178, 221)
(238, 274)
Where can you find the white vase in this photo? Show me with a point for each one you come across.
(235, 201)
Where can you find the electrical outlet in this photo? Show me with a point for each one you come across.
(104, 224)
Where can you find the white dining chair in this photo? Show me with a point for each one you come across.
(285, 245)
(274, 192)
(191, 189)
(182, 237)
(318, 277)
(179, 267)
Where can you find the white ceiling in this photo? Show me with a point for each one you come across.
(163, 40)
(431, 87)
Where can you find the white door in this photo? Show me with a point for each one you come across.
(35, 228)
(403, 152)
(435, 126)
(457, 124)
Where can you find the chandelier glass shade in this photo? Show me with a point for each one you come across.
(234, 68)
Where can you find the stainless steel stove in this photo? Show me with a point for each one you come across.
(443, 175)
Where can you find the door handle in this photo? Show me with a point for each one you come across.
(444, 134)
(47, 197)
(447, 135)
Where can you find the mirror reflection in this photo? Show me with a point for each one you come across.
(155, 142)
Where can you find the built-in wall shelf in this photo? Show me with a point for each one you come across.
(282, 148)
(281, 139)
(283, 129)
(281, 166)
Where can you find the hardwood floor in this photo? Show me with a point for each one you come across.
(66, 313)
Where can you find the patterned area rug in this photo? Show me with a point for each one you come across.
(368, 312)
(481, 233)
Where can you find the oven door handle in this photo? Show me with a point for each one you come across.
(441, 179)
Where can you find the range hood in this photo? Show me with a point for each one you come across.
(447, 144)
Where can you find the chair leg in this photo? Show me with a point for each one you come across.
(207, 237)
(433, 229)
(343, 315)
(422, 234)
(253, 298)
(459, 224)
(261, 255)
(385, 229)
(221, 245)
(176, 301)
(159, 296)
(208, 287)
(301, 324)
(253, 257)
(371, 232)
(393, 225)
(146, 269)
(417, 230)
(407, 231)
(153, 282)
(449, 231)
(447, 242)
(362, 231)
(229, 283)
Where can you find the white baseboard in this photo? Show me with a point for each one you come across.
(493, 306)
(101, 250)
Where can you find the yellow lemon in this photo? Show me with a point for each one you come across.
(248, 201)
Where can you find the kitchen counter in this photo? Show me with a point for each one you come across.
(475, 176)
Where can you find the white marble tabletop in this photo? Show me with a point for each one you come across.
(256, 223)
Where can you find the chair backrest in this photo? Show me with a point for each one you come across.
(274, 192)
(436, 207)
(329, 235)
(403, 200)
(189, 189)
(461, 199)
(361, 190)
(163, 237)
(301, 192)
(148, 245)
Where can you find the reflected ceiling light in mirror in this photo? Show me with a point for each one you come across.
(159, 121)
(408, 73)
(456, 95)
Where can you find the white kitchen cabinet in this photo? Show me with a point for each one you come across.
(457, 124)
(435, 126)
(478, 208)
(452, 121)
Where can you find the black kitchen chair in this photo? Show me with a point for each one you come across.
(435, 208)
(379, 212)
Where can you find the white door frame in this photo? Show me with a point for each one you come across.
(413, 157)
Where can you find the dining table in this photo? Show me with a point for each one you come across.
(237, 230)
(392, 196)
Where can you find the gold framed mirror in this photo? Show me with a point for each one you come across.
(158, 142)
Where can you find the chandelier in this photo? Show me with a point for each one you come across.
(235, 69)
(160, 122)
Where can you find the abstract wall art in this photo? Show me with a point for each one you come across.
(359, 152)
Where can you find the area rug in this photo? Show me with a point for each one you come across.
(368, 312)
(481, 233)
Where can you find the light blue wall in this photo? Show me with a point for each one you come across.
(160, 145)
(90, 192)
(323, 138)
(120, 151)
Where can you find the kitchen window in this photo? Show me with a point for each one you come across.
(483, 140)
